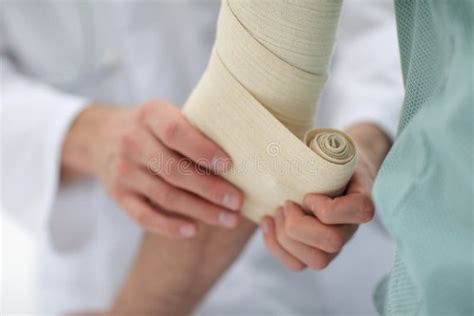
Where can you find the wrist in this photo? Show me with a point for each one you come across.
(84, 143)
(372, 142)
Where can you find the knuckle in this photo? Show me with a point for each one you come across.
(170, 129)
(291, 226)
(128, 140)
(325, 260)
(323, 215)
(123, 168)
(335, 242)
(314, 263)
(141, 112)
(152, 104)
(146, 108)
(318, 262)
(296, 266)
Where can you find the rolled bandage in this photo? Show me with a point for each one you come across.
(331, 144)
(258, 96)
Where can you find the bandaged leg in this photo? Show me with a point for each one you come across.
(258, 96)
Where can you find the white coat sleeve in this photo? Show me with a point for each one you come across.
(365, 82)
(34, 120)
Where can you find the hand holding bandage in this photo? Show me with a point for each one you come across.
(256, 100)
(261, 88)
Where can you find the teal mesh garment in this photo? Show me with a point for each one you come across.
(419, 56)
(424, 191)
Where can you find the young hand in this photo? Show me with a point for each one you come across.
(156, 165)
(311, 235)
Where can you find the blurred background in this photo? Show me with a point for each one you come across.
(17, 268)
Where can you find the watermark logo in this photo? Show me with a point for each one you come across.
(262, 164)
(273, 149)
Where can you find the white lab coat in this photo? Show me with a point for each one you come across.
(58, 56)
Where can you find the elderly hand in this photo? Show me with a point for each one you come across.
(149, 156)
(312, 235)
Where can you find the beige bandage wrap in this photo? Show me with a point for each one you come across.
(258, 96)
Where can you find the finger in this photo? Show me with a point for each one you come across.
(179, 201)
(274, 247)
(171, 127)
(353, 208)
(182, 173)
(362, 180)
(314, 258)
(310, 231)
(140, 146)
(148, 218)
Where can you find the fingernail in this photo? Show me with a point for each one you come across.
(220, 163)
(231, 201)
(265, 228)
(227, 219)
(187, 230)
